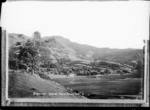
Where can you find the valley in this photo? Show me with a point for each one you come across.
(55, 58)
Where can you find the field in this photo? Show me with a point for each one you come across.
(105, 88)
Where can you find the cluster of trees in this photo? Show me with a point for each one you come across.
(93, 70)
(82, 70)
(105, 64)
(29, 55)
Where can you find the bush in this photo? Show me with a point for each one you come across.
(44, 76)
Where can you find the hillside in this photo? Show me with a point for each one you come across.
(14, 38)
(90, 52)
(64, 48)
(26, 85)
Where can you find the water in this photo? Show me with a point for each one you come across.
(103, 87)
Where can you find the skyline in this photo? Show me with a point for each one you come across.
(91, 23)
(75, 41)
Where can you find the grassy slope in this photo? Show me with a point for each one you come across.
(23, 85)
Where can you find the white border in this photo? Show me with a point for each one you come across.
(7, 55)
(60, 100)
(145, 69)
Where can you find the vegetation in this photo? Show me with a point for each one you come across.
(29, 55)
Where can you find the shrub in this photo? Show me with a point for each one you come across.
(44, 76)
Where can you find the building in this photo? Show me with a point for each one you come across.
(71, 75)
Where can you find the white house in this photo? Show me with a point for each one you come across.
(71, 75)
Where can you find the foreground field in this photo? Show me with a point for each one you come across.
(23, 85)
(120, 87)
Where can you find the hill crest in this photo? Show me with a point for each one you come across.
(75, 51)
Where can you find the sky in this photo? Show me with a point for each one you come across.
(122, 24)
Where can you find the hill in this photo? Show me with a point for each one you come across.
(88, 52)
(23, 85)
(64, 48)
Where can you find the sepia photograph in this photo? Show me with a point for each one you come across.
(76, 52)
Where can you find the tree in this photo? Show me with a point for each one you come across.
(37, 35)
(35, 53)
(44, 57)
(28, 56)
(13, 55)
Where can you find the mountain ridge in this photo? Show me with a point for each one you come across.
(79, 51)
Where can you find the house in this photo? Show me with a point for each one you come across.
(71, 75)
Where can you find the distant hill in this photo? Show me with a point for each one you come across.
(120, 55)
(90, 52)
(14, 38)
(64, 48)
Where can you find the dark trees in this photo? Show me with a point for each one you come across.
(30, 55)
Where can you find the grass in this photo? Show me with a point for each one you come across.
(24, 85)
(113, 77)
(44, 76)
(18, 86)
(106, 87)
